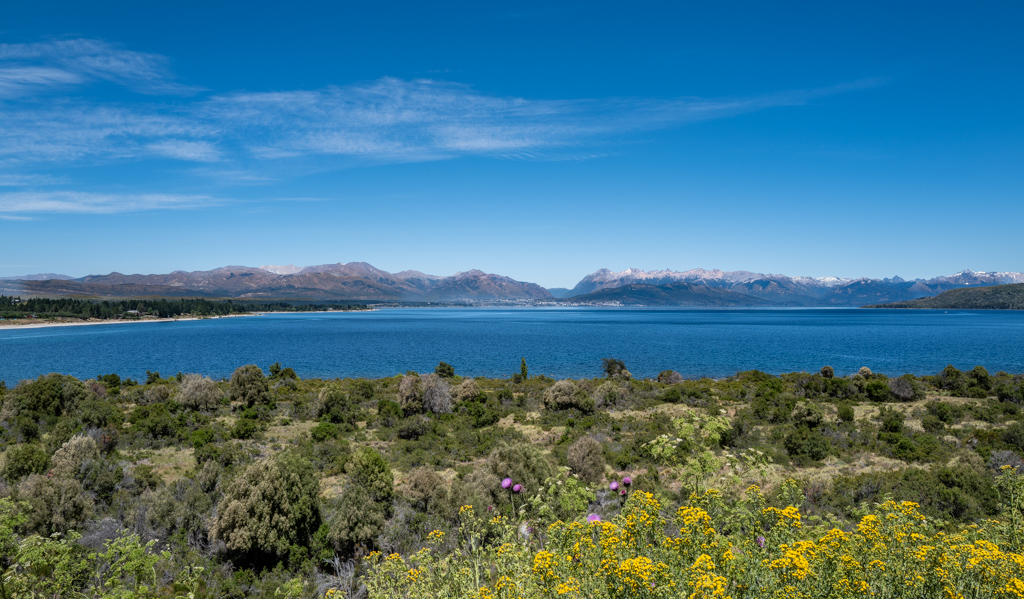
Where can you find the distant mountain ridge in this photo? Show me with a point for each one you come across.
(780, 290)
(341, 281)
(360, 281)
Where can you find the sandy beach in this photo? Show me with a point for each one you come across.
(28, 324)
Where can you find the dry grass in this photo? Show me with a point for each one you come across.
(169, 463)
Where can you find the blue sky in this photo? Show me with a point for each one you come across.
(538, 140)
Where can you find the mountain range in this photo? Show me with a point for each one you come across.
(360, 281)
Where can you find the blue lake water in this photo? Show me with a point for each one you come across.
(559, 342)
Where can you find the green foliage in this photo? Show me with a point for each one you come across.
(614, 369)
(336, 406)
(845, 412)
(22, 460)
(324, 431)
(249, 386)
(444, 370)
(270, 506)
(360, 512)
(566, 395)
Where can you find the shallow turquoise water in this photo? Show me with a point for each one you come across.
(559, 342)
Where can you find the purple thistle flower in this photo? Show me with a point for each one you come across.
(760, 541)
(622, 492)
(614, 486)
(592, 518)
(517, 489)
(506, 483)
(490, 508)
(627, 481)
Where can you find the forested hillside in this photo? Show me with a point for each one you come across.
(1001, 297)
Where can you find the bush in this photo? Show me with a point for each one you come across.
(436, 396)
(586, 459)
(198, 392)
(245, 428)
(334, 405)
(565, 395)
(615, 369)
(365, 504)
(73, 455)
(410, 394)
(49, 395)
(249, 386)
(932, 423)
(878, 390)
(846, 413)
(804, 444)
(669, 377)
(388, 413)
(905, 388)
(892, 420)
(465, 391)
(444, 370)
(827, 372)
(324, 431)
(424, 487)
(23, 460)
(270, 506)
(56, 505)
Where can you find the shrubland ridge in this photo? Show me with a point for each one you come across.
(267, 485)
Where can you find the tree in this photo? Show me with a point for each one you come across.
(437, 397)
(409, 394)
(75, 453)
(827, 372)
(198, 392)
(22, 460)
(615, 369)
(336, 406)
(523, 370)
(248, 385)
(564, 395)
(365, 504)
(57, 505)
(586, 459)
(271, 506)
(445, 370)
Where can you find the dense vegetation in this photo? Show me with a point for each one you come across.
(997, 297)
(269, 485)
(15, 308)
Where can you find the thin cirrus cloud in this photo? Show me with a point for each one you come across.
(386, 120)
(27, 68)
(20, 203)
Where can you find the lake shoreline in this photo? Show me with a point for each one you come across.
(44, 325)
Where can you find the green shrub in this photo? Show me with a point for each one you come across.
(365, 504)
(249, 386)
(932, 423)
(22, 460)
(846, 413)
(324, 431)
(388, 413)
(270, 506)
(565, 395)
(334, 405)
(245, 428)
(444, 370)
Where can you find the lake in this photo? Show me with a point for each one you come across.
(559, 342)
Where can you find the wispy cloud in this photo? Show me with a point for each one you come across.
(256, 137)
(25, 68)
(69, 202)
(389, 119)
